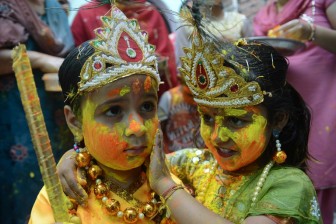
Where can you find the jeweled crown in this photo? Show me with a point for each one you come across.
(213, 84)
(121, 50)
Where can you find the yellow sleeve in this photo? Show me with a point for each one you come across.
(42, 211)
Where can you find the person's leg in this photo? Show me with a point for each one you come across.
(327, 202)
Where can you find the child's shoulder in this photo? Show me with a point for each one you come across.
(285, 172)
(289, 179)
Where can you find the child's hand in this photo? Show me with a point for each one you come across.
(295, 29)
(72, 178)
(158, 173)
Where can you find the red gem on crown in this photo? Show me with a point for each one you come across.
(97, 65)
(234, 88)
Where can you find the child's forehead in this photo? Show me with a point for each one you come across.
(134, 84)
(231, 111)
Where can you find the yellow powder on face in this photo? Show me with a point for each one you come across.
(249, 141)
(125, 90)
(151, 125)
(88, 110)
(106, 145)
(147, 83)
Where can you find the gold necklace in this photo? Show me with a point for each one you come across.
(132, 214)
(103, 192)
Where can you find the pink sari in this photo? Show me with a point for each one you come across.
(291, 10)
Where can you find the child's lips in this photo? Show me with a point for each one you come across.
(135, 151)
(226, 153)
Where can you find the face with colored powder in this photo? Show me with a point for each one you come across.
(236, 137)
(119, 122)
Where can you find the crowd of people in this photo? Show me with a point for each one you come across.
(164, 121)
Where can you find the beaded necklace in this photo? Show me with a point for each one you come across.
(261, 181)
(104, 190)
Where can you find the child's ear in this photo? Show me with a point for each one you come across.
(73, 123)
(280, 120)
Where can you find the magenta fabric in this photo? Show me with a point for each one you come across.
(328, 197)
(313, 73)
(290, 11)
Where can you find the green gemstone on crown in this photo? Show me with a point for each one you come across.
(131, 52)
(134, 23)
(152, 47)
(202, 79)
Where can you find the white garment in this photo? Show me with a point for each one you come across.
(232, 26)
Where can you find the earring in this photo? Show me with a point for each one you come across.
(280, 156)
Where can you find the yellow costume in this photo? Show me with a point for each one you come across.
(94, 212)
(286, 192)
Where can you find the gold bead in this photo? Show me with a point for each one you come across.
(280, 157)
(130, 215)
(112, 206)
(94, 171)
(100, 190)
(83, 159)
(149, 210)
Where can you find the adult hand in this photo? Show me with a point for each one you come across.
(295, 29)
(158, 173)
(48, 64)
(72, 178)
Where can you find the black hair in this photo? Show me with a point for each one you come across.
(69, 73)
(267, 67)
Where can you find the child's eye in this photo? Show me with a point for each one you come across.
(236, 121)
(207, 118)
(147, 107)
(114, 111)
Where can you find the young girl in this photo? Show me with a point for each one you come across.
(255, 127)
(110, 86)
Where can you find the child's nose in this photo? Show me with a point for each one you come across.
(220, 134)
(135, 126)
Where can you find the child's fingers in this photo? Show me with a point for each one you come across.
(73, 189)
(81, 176)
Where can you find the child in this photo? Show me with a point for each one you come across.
(177, 109)
(255, 127)
(110, 87)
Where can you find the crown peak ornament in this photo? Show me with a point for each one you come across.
(121, 49)
(214, 84)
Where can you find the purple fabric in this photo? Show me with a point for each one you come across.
(313, 73)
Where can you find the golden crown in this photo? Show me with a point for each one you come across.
(121, 50)
(213, 84)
